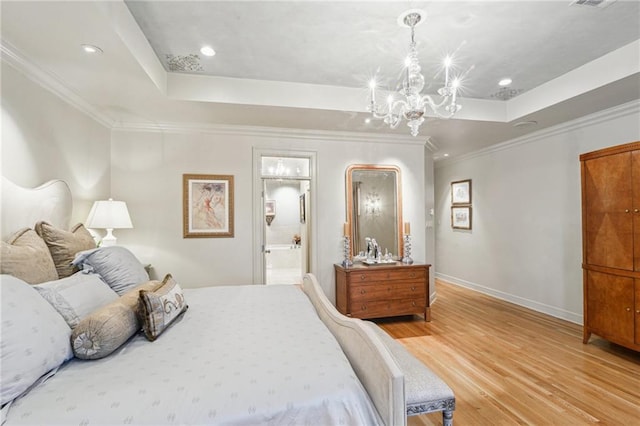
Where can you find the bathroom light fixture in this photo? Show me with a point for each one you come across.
(89, 48)
(411, 103)
(109, 215)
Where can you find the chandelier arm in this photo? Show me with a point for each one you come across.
(437, 107)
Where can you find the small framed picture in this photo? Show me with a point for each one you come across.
(207, 206)
(461, 192)
(270, 207)
(461, 217)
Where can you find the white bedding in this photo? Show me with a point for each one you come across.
(239, 355)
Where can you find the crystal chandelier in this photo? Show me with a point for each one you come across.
(412, 105)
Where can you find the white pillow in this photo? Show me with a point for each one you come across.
(77, 296)
(117, 266)
(35, 338)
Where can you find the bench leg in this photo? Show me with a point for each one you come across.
(447, 418)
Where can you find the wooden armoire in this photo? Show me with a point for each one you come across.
(611, 244)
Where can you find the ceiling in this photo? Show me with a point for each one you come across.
(306, 64)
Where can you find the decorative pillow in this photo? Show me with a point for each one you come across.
(27, 257)
(117, 266)
(35, 338)
(77, 296)
(105, 330)
(64, 245)
(161, 307)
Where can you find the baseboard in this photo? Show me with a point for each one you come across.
(516, 300)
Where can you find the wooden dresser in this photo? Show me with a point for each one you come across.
(611, 244)
(383, 290)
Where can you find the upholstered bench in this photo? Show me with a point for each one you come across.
(424, 391)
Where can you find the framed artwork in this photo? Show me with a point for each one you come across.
(461, 192)
(303, 214)
(461, 217)
(207, 206)
(270, 207)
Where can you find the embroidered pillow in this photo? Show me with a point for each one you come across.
(27, 257)
(117, 266)
(161, 307)
(105, 330)
(64, 245)
(35, 338)
(77, 296)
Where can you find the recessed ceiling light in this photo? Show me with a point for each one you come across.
(446, 155)
(367, 120)
(89, 48)
(207, 51)
(504, 82)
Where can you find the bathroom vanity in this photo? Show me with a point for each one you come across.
(385, 290)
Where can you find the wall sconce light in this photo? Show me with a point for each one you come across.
(109, 215)
(372, 204)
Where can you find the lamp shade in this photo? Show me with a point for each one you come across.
(109, 214)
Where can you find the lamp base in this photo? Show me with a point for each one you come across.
(109, 239)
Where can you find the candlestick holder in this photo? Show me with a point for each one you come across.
(347, 252)
(407, 250)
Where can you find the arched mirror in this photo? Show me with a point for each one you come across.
(374, 207)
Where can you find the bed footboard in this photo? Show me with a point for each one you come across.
(371, 360)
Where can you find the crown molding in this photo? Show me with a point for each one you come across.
(49, 81)
(628, 108)
(275, 132)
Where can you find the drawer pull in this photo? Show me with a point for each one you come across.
(413, 288)
(413, 303)
(364, 307)
(363, 277)
(363, 291)
(412, 275)
(628, 309)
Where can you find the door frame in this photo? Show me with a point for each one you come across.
(259, 223)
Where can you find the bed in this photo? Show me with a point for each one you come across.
(289, 358)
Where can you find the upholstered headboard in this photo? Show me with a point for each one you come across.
(23, 207)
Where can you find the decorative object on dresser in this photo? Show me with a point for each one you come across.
(346, 262)
(109, 215)
(207, 206)
(383, 291)
(611, 244)
(407, 244)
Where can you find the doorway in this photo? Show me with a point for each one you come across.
(286, 234)
(284, 220)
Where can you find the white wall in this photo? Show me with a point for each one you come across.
(44, 138)
(147, 168)
(526, 241)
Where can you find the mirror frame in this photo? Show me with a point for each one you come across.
(349, 203)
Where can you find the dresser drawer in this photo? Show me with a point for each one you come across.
(386, 275)
(387, 308)
(387, 290)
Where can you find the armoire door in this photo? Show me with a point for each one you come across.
(609, 212)
(635, 175)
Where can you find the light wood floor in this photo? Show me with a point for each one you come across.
(508, 365)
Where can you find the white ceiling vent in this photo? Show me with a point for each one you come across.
(599, 4)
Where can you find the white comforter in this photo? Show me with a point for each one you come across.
(239, 355)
